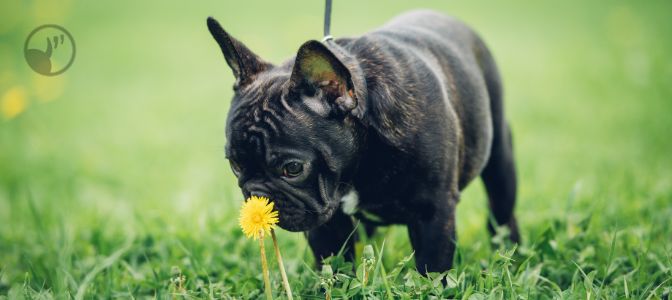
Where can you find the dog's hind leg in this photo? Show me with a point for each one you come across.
(499, 178)
(499, 174)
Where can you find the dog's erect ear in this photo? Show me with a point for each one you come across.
(317, 69)
(244, 63)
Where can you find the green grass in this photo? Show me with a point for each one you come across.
(113, 181)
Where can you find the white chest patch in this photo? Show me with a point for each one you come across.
(349, 202)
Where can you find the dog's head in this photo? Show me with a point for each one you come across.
(292, 129)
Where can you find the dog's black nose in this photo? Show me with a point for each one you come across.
(255, 188)
(261, 194)
(248, 194)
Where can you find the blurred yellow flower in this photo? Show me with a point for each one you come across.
(257, 215)
(13, 102)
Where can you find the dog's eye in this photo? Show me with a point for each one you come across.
(292, 169)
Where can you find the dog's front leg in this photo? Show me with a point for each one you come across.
(434, 238)
(327, 239)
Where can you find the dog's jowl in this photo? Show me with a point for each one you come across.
(389, 126)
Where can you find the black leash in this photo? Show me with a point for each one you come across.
(327, 21)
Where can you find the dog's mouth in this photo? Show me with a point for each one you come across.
(297, 216)
(299, 209)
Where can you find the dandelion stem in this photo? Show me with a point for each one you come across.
(285, 282)
(264, 266)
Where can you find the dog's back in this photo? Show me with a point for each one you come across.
(444, 68)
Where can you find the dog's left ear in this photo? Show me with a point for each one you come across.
(317, 69)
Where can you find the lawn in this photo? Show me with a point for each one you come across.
(113, 181)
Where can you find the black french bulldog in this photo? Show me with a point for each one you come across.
(400, 119)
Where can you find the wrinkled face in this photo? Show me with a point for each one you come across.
(290, 134)
(286, 146)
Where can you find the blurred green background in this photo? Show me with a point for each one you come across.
(125, 149)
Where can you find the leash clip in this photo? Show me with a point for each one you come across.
(327, 21)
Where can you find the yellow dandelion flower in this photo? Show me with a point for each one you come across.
(257, 215)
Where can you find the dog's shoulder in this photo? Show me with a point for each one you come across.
(388, 108)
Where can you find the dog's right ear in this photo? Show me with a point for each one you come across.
(244, 63)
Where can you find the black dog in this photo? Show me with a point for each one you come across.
(401, 118)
